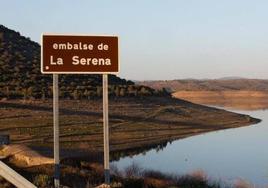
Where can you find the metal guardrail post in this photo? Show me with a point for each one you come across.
(13, 177)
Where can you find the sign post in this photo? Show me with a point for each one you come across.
(56, 130)
(79, 54)
(106, 129)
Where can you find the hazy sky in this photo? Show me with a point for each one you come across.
(159, 39)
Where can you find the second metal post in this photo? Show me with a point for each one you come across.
(106, 129)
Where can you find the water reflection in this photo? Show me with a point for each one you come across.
(117, 155)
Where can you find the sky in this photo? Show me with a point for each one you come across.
(159, 39)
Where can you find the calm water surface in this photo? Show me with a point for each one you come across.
(226, 155)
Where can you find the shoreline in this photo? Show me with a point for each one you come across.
(135, 124)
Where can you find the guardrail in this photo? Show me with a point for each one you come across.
(13, 177)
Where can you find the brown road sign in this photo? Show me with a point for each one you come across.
(79, 54)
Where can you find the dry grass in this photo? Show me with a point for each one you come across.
(87, 175)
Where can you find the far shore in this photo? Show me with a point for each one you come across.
(237, 100)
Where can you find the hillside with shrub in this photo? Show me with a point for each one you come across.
(20, 75)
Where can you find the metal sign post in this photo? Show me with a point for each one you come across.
(56, 130)
(106, 129)
(79, 54)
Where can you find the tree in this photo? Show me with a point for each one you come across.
(145, 91)
(30, 92)
(117, 91)
(99, 91)
(7, 92)
(122, 92)
(43, 94)
(87, 94)
(132, 90)
(75, 95)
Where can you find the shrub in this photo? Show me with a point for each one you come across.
(43, 180)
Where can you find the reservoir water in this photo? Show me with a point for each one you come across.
(228, 155)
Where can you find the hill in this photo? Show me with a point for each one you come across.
(242, 94)
(20, 75)
(210, 85)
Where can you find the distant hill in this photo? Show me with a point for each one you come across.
(210, 85)
(231, 78)
(20, 75)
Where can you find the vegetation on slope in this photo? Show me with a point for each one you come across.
(84, 174)
(20, 75)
